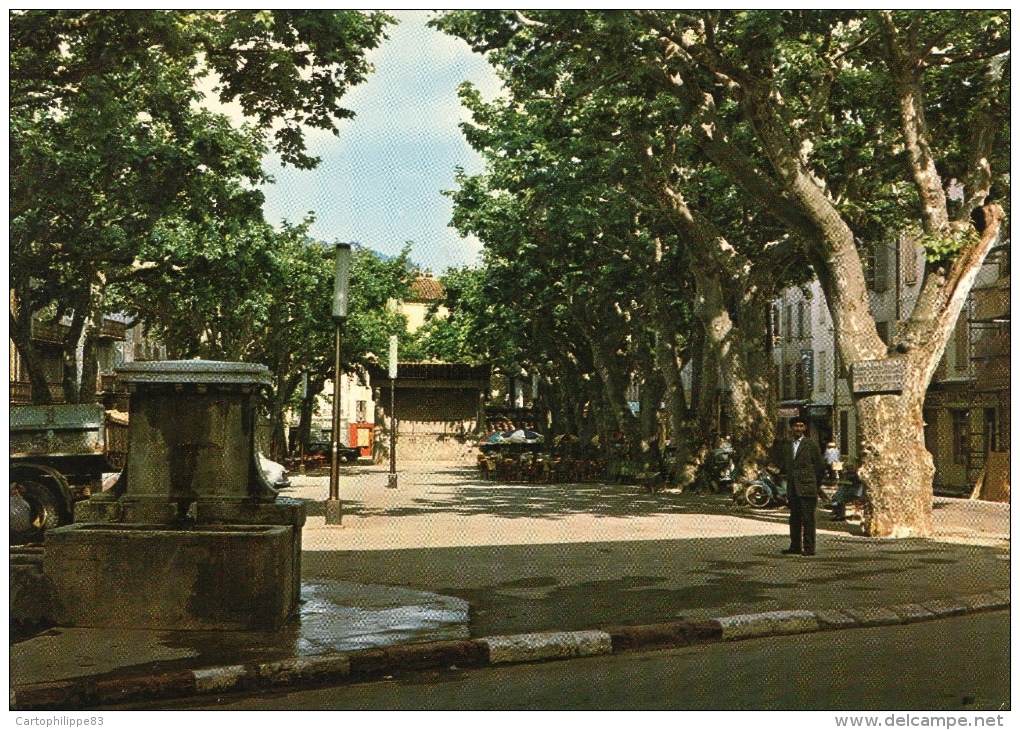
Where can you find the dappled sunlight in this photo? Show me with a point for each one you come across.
(450, 506)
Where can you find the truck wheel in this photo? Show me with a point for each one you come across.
(757, 496)
(46, 508)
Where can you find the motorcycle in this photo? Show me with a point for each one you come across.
(767, 489)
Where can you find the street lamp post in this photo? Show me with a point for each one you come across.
(341, 284)
(393, 413)
(302, 423)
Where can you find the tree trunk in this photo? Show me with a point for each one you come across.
(614, 388)
(90, 347)
(754, 431)
(71, 384)
(652, 392)
(305, 422)
(747, 400)
(278, 405)
(21, 334)
(895, 468)
(669, 364)
(89, 367)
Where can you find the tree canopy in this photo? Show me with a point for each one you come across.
(768, 139)
(113, 145)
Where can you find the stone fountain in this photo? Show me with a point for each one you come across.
(192, 536)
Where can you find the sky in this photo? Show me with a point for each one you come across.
(379, 182)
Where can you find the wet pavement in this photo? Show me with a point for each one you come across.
(333, 617)
(449, 557)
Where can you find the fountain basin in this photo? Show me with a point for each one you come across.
(199, 577)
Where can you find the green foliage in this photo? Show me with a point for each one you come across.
(774, 127)
(945, 246)
(460, 335)
(114, 159)
(375, 282)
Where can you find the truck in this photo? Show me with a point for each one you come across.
(58, 456)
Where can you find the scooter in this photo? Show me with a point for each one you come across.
(767, 489)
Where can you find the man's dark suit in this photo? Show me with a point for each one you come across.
(803, 475)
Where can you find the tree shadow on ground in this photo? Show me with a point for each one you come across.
(546, 501)
(525, 588)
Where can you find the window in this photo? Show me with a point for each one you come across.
(788, 381)
(991, 441)
(362, 410)
(910, 252)
(800, 318)
(960, 344)
(823, 372)
(801, 381)
(788, 329)
(876, 272)
(844, 434)
(960, 436)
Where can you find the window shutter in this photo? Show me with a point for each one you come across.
(881, 267)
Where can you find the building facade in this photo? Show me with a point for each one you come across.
(118, 344)
(966, 409)
(436, 403)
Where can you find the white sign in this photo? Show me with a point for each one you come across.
(878, 376)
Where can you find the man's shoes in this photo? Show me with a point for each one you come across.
(808, 552)
(792, 551)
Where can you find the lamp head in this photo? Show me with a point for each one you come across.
(341, 282)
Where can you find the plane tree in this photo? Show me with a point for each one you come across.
(557, 215)
(112, 138)
(604, 168)
(264, 296)
(846, 127)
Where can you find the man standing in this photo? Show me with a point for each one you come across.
(801, 462)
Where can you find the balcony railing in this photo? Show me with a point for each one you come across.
(49, 331)
(21, 393)
(55, 332)
(114, 330)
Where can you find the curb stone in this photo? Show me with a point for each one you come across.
(549, 645)
(771, 623)
(910, 612)
(946, 607)
(366, 664)
(835, 619)
(874, 616)
(675, 633)
(983, 601)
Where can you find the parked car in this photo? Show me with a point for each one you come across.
(345, 454)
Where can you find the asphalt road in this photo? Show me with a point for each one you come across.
(960, 664)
